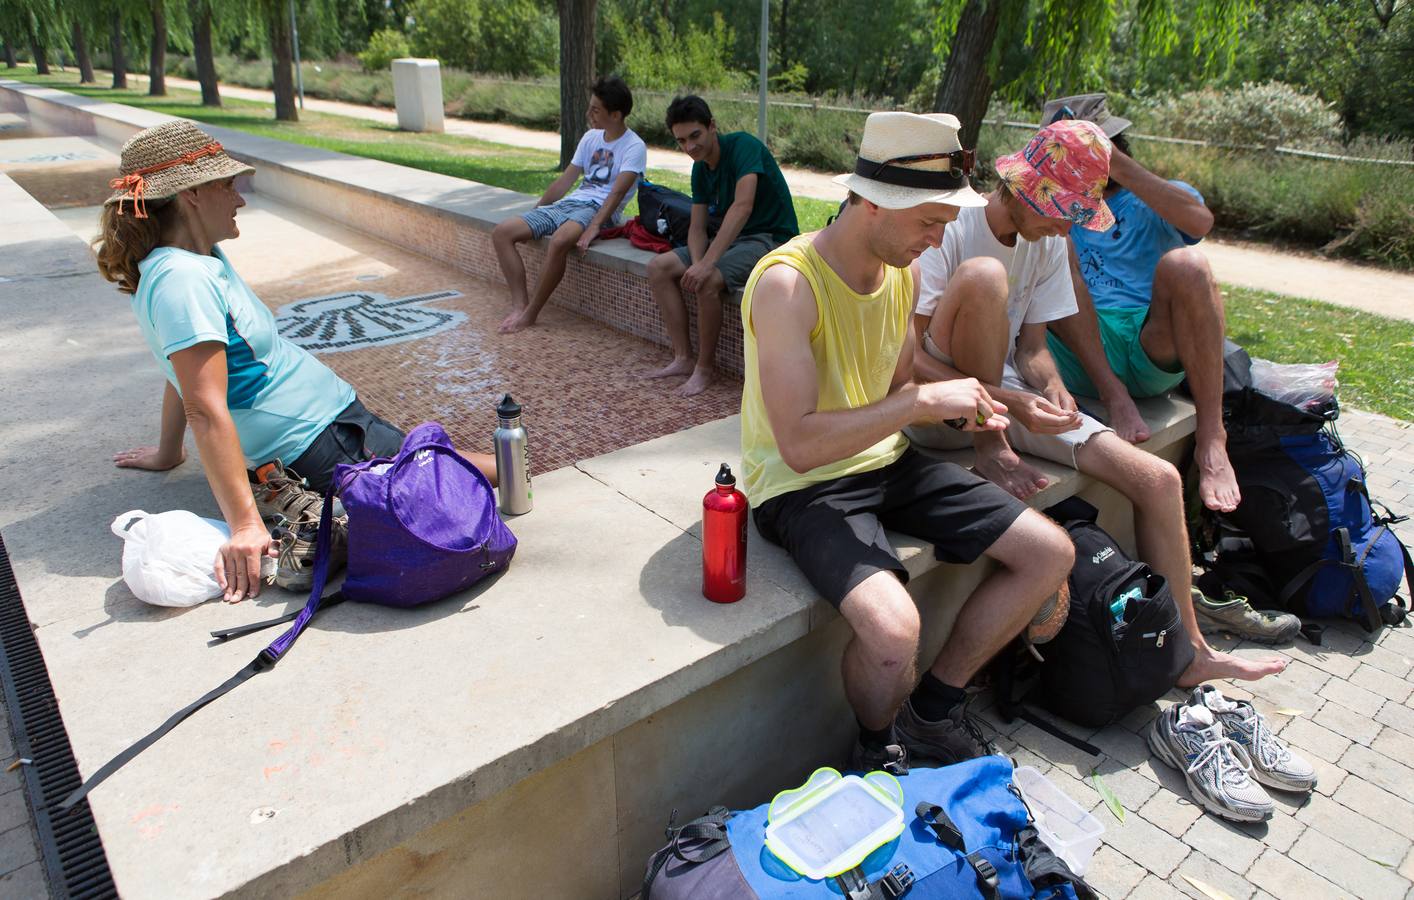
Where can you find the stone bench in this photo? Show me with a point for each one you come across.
(528, 738)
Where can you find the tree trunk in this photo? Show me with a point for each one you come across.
(81, 55)
(201, 49)
(966, 88)
(785, 34)
(157, 54)
(120, 57)
(10, 61)
(36, 48)
(282, 60)
(576, 71)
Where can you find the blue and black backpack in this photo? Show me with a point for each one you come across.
(1306, 536)
(971, 836)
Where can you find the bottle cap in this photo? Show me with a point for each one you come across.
(725, 476)
(508, 408)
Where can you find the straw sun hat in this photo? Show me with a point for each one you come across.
(160, 162)
(906, 160)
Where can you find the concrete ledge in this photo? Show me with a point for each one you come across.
(440, 216)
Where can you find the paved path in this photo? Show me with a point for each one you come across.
(1376, 290)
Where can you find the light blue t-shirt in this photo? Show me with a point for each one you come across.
(279, 395)
(1118, 264)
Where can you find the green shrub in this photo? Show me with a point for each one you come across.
(447, 30)
(1269, 115)
(384, 46)
(660, 56)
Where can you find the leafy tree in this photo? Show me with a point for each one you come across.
(448, 30)
(199, 12)
(1028, 50)
(277, 24)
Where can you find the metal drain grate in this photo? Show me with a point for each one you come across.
(73, 852)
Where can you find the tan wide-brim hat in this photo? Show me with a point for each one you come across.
(1090, 107)
(893, 170)
(162, 161)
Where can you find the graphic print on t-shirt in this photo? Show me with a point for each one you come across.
(601, 166)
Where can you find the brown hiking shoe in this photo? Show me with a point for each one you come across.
(281, 494)
(954, 739)
(294, 569)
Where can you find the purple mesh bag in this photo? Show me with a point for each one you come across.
(422, 525)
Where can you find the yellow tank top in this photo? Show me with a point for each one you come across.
(856, 344)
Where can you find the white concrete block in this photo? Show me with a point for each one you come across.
(417, 91)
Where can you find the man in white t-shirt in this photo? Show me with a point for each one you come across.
(612, 159)
(986, 295)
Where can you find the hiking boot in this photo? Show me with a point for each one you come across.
(1234, 614)
(891, 758)
(1273, 762)
(294, 568)
(955, 738)
(1217, 768)
(282, 494)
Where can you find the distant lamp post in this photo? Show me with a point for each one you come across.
(294, 36)
(765, 44)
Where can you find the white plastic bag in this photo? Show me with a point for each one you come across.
(168, 558)
(1307, 385)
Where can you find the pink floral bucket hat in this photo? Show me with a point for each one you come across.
(1061, 173)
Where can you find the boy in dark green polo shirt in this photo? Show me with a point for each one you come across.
(735, 182)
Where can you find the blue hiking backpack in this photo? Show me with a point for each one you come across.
(969, 835)
(1306, 536)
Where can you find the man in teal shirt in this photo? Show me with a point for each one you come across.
(738, 190)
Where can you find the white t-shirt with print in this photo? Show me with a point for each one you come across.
(602, 161)
(1037, 271)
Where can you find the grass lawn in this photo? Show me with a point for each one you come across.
(1376, 354)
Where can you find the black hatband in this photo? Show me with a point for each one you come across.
(911, 178)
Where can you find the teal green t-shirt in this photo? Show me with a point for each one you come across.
(280, 397)
(772, 212)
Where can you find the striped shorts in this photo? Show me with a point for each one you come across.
(546, 220)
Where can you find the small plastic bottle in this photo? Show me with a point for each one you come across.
(724, 540)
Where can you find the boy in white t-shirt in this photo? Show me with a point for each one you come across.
(986, 294)
(612, 159)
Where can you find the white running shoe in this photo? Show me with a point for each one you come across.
(1216, 767)
(1274, 763)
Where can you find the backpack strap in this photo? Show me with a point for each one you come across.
(936, 818)
(709, 830)
(264, 661)
(894, 884)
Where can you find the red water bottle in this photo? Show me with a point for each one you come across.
(724, 540)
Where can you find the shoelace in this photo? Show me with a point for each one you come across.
(1213, 751)
(1268, 748)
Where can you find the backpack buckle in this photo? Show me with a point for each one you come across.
(896, 882)
(987, 877)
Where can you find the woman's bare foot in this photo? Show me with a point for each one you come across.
(1210, 665)
(699, 382)
(1217, 483)
(681, 365)
(1125, 418)
(999, 464)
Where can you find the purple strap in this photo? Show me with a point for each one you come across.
(285, 641)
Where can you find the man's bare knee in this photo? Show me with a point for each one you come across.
(1183, 269)
(981, 274)
(884, 619)
(1035, 545)
(665, 268)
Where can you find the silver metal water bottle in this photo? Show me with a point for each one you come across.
(512, 459)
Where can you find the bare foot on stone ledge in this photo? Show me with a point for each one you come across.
(999, 464)
(1210, 665)
(683, 366)
(1125, 419)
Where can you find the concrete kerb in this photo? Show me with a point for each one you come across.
(645, 669)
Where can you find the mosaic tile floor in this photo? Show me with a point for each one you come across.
(577, 380)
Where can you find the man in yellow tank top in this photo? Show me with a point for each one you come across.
(829, 360)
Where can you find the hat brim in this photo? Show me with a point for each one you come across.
(1020, 177)
(176, 181)
(1114, 125)
(892, 196)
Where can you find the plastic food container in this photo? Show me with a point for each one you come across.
(831, 823)
(1071, 832)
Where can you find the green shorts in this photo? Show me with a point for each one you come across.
(1119, 334)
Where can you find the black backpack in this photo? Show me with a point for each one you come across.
(668, 213)
(1306, 536)
(1099, 668)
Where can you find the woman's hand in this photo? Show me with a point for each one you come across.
(238, 561)
(149, 458)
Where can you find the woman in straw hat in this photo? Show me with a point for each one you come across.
(252, 398)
